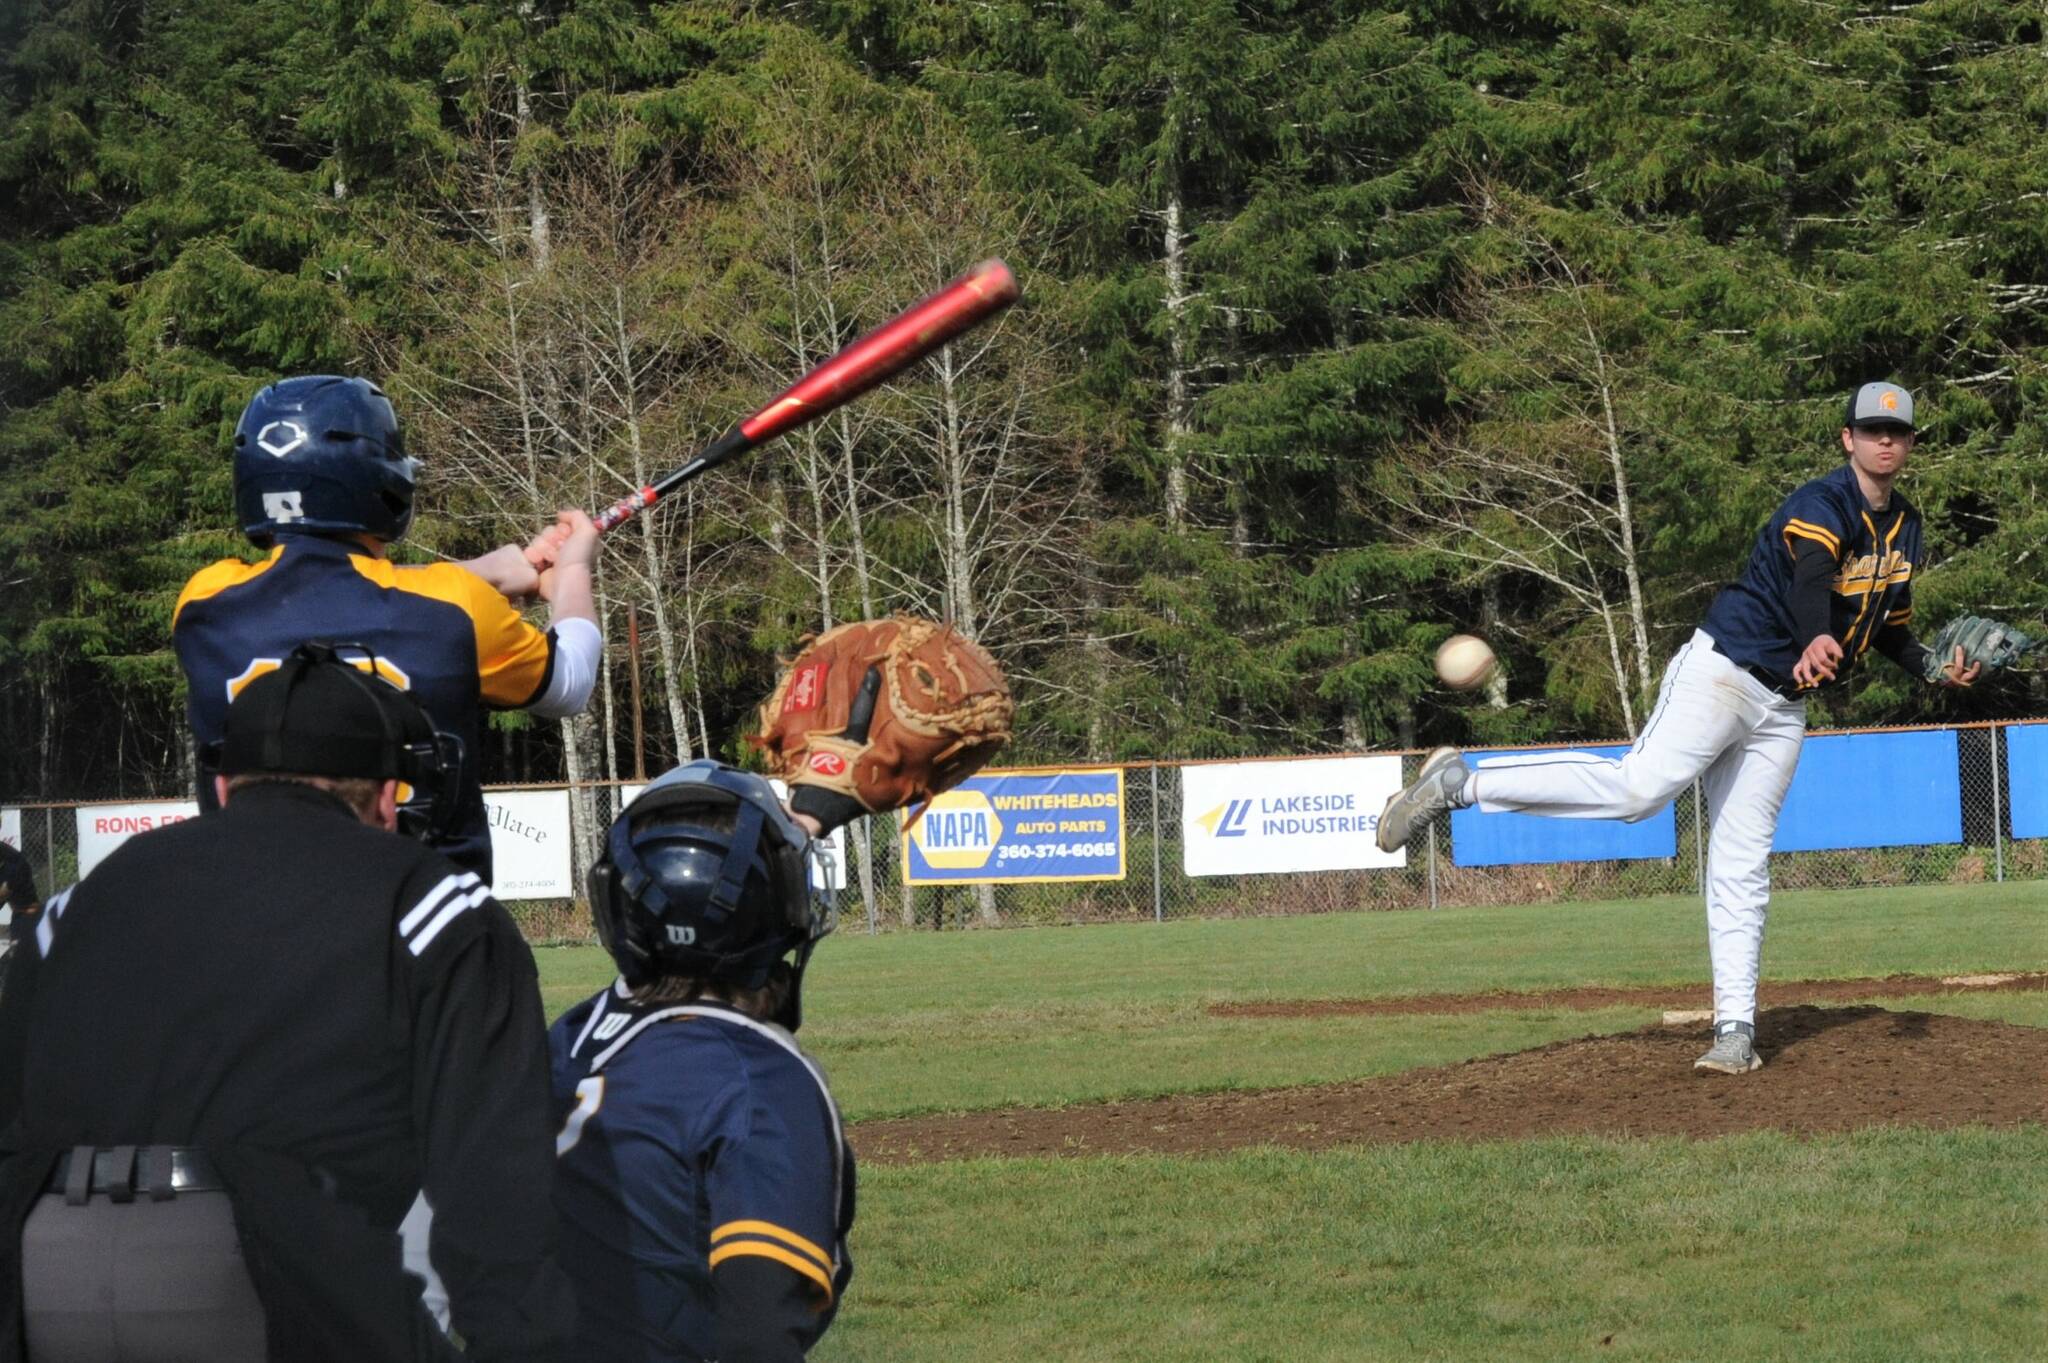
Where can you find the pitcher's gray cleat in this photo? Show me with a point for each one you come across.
(1437, 787)
(1733, 1052)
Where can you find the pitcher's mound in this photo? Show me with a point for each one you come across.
(1825, 1069)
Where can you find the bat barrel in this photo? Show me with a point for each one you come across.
(887, 350)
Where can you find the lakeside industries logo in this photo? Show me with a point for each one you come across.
(1226, 820)
(1288, 816)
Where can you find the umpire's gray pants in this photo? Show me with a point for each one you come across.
(138, 1282)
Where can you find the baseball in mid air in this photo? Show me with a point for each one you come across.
(1464, 662)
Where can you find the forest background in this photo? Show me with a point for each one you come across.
(1346, 325)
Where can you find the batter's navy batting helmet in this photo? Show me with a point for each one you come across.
(706, 876)
(322, 453)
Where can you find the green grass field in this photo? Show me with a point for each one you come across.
(1883, 1245)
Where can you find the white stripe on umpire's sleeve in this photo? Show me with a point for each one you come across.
(441, 920)
(415, 1238)
(46, 926)
(449, 885)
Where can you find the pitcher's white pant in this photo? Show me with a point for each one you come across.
(1715, 722)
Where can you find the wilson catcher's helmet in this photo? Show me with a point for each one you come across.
(706, 876)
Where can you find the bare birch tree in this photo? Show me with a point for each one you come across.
(1536, 479)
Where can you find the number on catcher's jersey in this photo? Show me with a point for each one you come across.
(589, 1096)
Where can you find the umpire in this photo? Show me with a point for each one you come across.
(273, 1084)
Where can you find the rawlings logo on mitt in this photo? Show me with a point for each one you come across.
(883, 714)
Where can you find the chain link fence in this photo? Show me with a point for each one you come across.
(1155, 886)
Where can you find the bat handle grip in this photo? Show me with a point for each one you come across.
(624, 509)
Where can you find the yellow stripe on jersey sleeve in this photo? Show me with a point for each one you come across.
(733, 1249)
(216, 578)
(1899, 617)
(770, 1231)
(511, 655)
(1819, 534)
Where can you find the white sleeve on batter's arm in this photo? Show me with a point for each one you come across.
(578, 648)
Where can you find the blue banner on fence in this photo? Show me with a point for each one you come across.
(2026, 776)
(1873, 790)
(1512, 839)
(1001, 827)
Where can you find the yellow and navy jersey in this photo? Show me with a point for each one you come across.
(694, 1138)
(438, 631)
(1876, 554)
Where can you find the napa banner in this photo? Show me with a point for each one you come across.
(1266, 818)
(1002, 827)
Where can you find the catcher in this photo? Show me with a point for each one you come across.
(880, 715)
(703, 1184)
(1829, 578)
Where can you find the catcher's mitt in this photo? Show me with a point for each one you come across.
(883, 714)
(1986, 642)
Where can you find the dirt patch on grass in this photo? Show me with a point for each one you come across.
(1770, 994)
(1826, 1070)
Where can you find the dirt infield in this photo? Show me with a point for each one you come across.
(1771, 993)
(1826, 1070)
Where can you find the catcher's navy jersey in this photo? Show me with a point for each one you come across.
(439, 631)
(1876, 553)
(691, 1135)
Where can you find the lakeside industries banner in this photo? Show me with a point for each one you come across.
(1002, 827)
(1268, 818)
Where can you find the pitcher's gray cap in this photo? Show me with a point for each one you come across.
(1880, 404)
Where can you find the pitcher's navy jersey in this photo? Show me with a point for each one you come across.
(1876, 554)
(439, 631)
(692, 1135)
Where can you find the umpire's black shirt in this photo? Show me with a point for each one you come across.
(350, 1026)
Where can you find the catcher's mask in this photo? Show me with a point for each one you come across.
(322, 454)
(706, 876)
(320, 714)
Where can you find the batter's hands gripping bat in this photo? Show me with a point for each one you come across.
(888, 350)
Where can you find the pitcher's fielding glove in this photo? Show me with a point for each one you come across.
(883, 714)
(1987, 644)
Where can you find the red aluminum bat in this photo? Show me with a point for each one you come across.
(888, 350)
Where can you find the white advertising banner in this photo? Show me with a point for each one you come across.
(530, 844)
(827, 873)
(102, 828)
(1265, 818)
